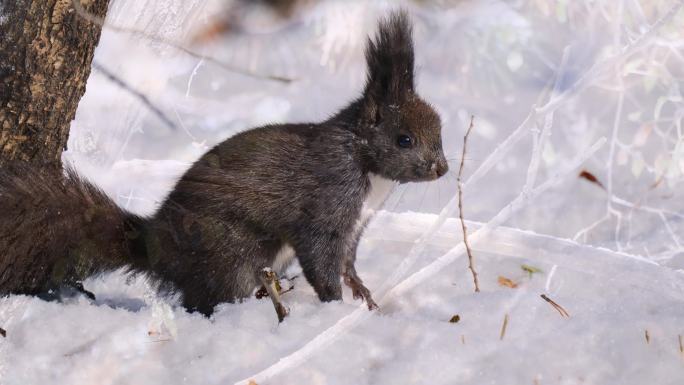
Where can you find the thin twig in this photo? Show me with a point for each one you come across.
(681, 345)
(471, 264)
(556, 306)
(647, 336)
(139, 95)
(503, 215)
(83, 13)
(398, 285)
(503, 327)
(162, 340)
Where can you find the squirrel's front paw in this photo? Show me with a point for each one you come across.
(359, 291)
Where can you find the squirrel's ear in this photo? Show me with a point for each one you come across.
(390, 62)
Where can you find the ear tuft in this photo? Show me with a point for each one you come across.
(390, 59)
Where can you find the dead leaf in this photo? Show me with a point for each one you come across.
(3, 332)
(657, 182)
(503, 281)
(641, 136)
(455, 319)
(591, 178)
(530, 269)
(213, 31)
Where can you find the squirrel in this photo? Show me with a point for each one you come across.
(253, 202)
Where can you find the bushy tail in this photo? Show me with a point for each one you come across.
(57, 228)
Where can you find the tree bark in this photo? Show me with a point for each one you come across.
(46, 49)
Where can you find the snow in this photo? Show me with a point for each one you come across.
(612, 299)
(555, 87)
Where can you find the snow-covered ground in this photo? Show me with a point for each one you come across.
(557, 87)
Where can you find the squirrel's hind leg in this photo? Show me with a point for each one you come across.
(359, 290)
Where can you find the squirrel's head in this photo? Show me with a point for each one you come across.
(403, 132)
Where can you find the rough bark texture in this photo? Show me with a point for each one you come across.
(46, 50)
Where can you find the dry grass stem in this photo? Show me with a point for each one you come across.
(471, 264)
(648, 336)
(556, 306)
(681, 345)
(503, 327)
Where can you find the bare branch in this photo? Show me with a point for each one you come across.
(82, 12)
(471, 264)
(139, 95)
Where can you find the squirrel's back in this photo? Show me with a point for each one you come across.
(56, 227)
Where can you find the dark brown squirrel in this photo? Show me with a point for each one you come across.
(251, 203)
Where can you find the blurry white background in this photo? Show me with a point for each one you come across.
(545, 80)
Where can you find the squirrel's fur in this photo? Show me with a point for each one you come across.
(253, 197)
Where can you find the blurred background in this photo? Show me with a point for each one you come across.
(545, 80)
(578, 70)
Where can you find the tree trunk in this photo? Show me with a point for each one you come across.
(46, 49)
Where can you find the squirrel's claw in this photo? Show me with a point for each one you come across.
(359, 291)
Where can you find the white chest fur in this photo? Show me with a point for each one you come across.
(380, 189)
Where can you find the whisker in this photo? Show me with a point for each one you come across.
(463, 158)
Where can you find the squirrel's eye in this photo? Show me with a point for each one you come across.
(404, 141)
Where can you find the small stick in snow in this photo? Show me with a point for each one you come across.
(648, 337)
(556, 306)
(471, 265)
(263, 293)
(268, 279)
(681, 345)
(463, 339)
(503, 327)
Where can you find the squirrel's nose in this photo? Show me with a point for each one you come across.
(441, 167)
